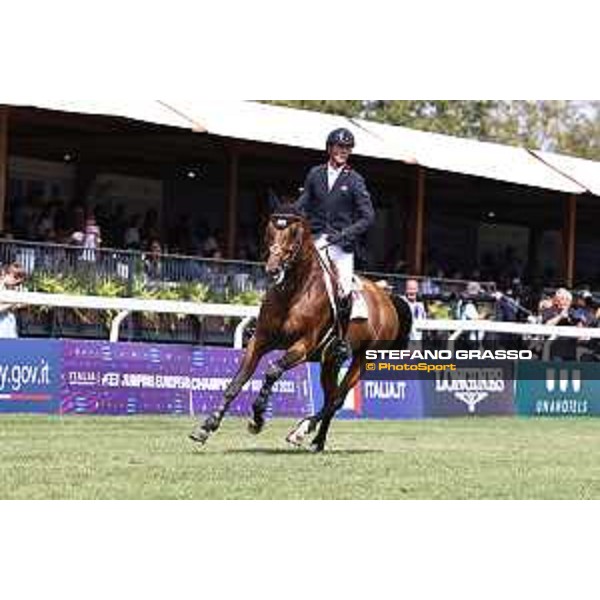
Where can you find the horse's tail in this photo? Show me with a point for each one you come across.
(405, 320)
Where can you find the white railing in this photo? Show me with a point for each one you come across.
(125, 306)
(459, 327)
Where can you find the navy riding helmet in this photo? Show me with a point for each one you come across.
(342, 137)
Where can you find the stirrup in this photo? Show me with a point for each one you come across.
(341, 350)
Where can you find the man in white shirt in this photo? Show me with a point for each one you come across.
(416, 308)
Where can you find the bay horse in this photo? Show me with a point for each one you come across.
(296, 315)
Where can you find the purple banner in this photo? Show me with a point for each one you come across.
(125, 379)
(214, 368)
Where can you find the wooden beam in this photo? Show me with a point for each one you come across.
(232, 201)
(569, 239)
(3, 163)
(416, 225)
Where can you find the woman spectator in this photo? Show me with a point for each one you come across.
(92, 239)
(153, 263)
(11, 277)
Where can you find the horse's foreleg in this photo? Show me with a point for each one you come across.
(334, 401)
(255, 351)
(295, 355)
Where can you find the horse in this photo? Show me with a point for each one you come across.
(297, 315)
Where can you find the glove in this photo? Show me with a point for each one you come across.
(335, 238)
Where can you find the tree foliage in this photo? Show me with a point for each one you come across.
(567, 126)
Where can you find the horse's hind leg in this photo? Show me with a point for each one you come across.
(335, 401)
(255, 351)
(330, 369)
(296, 354)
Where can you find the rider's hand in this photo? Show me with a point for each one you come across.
(335, 238)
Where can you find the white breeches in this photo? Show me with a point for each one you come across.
(344, 262)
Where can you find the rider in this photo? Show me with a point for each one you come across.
(338, 206)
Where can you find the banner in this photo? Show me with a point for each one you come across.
(29, 376)
(558, 389)
(213, 368)
(473, 390)
(126, 379)
(375, 399)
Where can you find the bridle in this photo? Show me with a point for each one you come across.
(286, 264)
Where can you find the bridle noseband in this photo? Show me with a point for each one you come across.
(285, 265)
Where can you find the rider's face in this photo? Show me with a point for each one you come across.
(339, 155)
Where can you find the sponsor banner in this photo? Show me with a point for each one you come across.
(213, 369)
(558, 389)
(375, 399)
(29, 376)
(392, 399)
(471, 390)
(125, 378)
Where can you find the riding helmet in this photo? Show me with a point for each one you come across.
(342, 137)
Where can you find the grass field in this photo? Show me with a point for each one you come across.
(150, 457)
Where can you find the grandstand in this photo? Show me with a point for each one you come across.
(202, 174)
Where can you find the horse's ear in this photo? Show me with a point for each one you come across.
(274, 201)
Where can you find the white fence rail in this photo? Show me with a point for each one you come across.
(125, 306)
(459, 327)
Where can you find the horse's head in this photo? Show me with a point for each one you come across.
(287, 234)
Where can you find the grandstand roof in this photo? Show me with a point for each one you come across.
(256, 122)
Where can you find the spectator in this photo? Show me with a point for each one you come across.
(153, 264)
(45, 224)
(583, 313)
(430, 286)
(92, 238)
(181, 236)
(558, 312)
(467, 309)
(508, 305)
(60, 221)
(118, 225)
(11, 277)
(132, 236)
(416, 308)
(210, 248)
(77, 236)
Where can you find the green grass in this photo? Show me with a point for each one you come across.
(150, 457)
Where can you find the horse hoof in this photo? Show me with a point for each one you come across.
(255, 428)
(316, 448)
(300, 431)
(200, 436)
(294, 440)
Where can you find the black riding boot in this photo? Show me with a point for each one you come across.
(341, 347)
